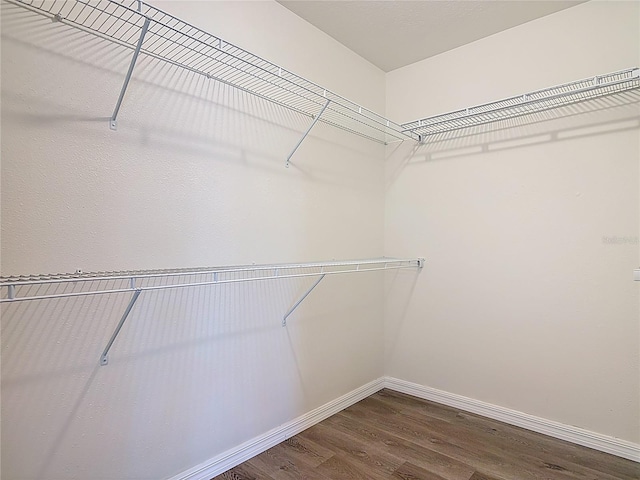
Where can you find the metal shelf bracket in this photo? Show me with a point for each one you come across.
(291, 310)
(315, 120)
(113, 123)
(104, 358)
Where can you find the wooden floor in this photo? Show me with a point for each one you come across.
(394, 436)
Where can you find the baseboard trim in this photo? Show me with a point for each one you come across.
(586, 438)
(235, 456)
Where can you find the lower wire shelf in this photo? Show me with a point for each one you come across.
(54, 286)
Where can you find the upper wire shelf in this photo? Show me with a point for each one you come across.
(533, 102)
(167, 38)
(149, 31)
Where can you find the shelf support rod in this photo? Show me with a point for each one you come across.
(113, 123)
(104, 358)
(315, 120)
(291, 310)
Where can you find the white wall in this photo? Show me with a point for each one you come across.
(194, 176)
(522, 302)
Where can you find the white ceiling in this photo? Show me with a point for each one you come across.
(394, 33)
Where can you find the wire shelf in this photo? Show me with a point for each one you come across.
(65, 285)
(533, 102)
(179, 43)
(61, 285)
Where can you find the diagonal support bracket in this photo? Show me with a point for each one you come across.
(113, 123)
(104, 358)
(315, 120)
(291, 310)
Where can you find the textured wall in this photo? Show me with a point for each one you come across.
(194, 176)
(521, 304)
(524, 301)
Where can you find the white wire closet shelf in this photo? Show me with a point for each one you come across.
(528, 103)
(152, 32)
(66, 285)
(30, 287)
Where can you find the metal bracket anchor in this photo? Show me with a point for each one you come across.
(113, 124)
(291, 310)
(315, 120)
(104, 358)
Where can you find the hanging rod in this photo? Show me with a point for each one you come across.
(83, 284)
(532, 102)
(137, 281)
(181, 44)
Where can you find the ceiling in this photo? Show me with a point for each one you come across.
(394, 33)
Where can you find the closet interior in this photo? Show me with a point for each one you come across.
(112, 298)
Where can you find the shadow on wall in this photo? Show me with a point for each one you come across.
(399, 289)
(603, 115)
(188, 364)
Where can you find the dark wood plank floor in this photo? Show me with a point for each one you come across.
(394, 436)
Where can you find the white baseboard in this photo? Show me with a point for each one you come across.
(229, 459)
(235, 456)
(597, 441)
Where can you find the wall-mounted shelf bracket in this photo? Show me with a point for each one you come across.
(113, 123)
(292, 309)
(104, 358)
(315, 120)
